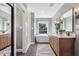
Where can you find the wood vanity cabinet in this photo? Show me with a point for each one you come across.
(62, 46)
(5, 41)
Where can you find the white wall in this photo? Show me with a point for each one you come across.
(26, 31)
(51, 29)
(26, 28)
(29, 28)
(47, 20)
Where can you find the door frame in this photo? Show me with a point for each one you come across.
(12, 29)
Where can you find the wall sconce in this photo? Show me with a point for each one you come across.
(61, 19)
(76, 9)
(77, 12)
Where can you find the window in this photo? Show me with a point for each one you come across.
(42, 27)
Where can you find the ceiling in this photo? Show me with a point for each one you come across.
(44, 10)
(65, 8)
(5, 11)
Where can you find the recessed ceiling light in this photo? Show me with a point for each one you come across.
(51, 4)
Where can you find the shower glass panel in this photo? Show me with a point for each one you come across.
(5, 29)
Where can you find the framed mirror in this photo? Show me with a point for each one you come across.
(68, 21)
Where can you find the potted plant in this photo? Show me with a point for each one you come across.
(57, 25)
(61, 31)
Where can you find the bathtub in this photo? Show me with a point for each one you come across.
(42, 38)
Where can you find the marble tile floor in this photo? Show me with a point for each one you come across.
(44, 50)
(30, 52)
(38, 50)
(6, 51)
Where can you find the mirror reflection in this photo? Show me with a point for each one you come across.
(66, 21)
(5, 30)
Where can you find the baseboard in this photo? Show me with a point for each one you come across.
(32, 42)
(27, 48)
(19, 50)
(42, 42)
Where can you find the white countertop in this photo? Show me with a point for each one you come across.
(3, 33)
(64, 35)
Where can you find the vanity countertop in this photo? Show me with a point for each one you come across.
(3, 34)
(64, 35)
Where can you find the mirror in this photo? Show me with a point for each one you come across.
(5, 30)
(66, 23)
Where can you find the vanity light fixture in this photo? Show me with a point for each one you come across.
(61, 18)
(77, 12)
(76, 9)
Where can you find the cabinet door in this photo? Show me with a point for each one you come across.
(51, 41)
(67, 47)
(56, 45)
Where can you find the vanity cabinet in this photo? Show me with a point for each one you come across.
(62, 46)
(5, 41)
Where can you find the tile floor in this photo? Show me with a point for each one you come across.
(6, 51)
(30, 52)
(44, 50)
(38, 50)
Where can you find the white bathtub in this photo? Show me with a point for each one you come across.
(42, 38)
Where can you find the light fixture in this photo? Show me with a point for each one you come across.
(51, 4)
(76, 9)
(61, 19)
